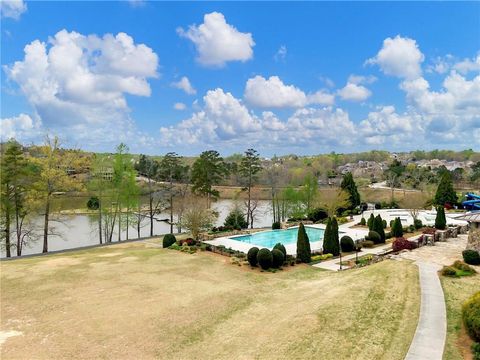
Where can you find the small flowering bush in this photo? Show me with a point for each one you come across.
(402, 244)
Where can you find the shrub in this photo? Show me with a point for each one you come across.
(476, 351)
(374, 236)
(276, 225)
(363, 222)
(384, 222)
(188, 241)
(265, 258)
(368, 243)
(378, 227)
(471, 257)
(278, 257)
(321, 257)
(235, 220)
(168, 240)
(448, 271)
(460, 265)
(397, 228)
(440, 220)
(330, 238)
(402, 244)
(471, 316)
(252, 256)
(304, 252)
(370, 221)
(417, 223)
(388, 235)
(280, 247)
(317, 214)
(347, 244)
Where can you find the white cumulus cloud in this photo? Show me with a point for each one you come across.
(218, 42)
(78, 82)
(273, 93)
(185, 85)
(21, 127)
(354, 92)
(12, 8)
(399, 57)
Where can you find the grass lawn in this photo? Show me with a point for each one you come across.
(457, 290)
(138, 301)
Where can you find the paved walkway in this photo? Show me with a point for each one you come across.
(429, 339)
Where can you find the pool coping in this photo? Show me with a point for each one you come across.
(228, 242)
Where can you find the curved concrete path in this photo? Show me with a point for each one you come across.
(429, 339)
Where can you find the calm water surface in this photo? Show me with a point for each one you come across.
(81, 230)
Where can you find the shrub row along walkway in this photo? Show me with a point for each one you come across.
(429, 339)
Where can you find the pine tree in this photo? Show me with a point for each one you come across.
(330, 238)
(445, 193)
(397, 228)
(370, 221)
(348, 184)
(304, 253)
(378, 227)
(440, 220)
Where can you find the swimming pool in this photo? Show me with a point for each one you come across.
(270, 238)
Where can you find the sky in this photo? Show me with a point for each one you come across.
(281, 77)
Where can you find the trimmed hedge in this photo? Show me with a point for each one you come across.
(471, 316)
(363, 221)
(168, 240)
(276, 225)
(279, 246)
(265, 258)
(304, 253)
(252, 256)
(278, 257)
(471, 257)
(440, 220)
(347, 244)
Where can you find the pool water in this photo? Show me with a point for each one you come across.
(270, 238)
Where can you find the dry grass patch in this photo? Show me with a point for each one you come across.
(457, 291)
(148, 303)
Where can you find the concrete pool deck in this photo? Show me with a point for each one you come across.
(346, 229)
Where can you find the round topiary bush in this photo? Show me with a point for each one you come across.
(347, 244)
(265, 258)
(471, 316)
(169, 240)
(280, 247)
(417, 223)
(278, 257)
(374, 236)
(276, 225)
(471, 257)
(252, 256)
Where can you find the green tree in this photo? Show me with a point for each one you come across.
(249, 168)
(172, 171)
(54, 165)
(397, 228)
(370, 221)
(207, 171)
(440, 219)
(348, 185)
(16, 180)
(309, 191)
(445, 193)
(236, 219)
(304, 253)
(330, 238)
(378, 227)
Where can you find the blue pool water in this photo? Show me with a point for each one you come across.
(270, 238)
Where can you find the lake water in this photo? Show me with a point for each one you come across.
(81, 230)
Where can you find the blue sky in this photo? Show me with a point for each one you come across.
(307, 77)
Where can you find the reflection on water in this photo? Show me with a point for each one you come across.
(82, 230)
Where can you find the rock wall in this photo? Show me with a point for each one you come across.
(473, 242)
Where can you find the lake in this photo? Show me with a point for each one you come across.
(82, 230)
